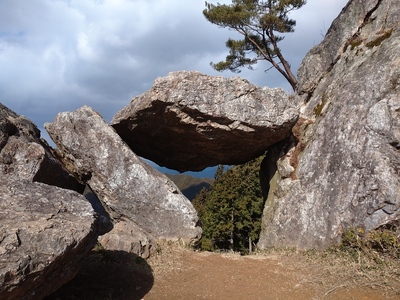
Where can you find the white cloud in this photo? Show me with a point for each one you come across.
(85, 50)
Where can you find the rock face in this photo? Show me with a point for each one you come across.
(24, 154)
(130, 190)
(343, 168)
(190, 121)
(129, 237)
(45, 232)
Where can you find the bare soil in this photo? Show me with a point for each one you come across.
(175, 272)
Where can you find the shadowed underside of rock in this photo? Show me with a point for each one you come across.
(45, 232)
(129, 189)
(344, 170)
(189, 121)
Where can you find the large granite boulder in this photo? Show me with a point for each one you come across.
(45, 232)
(343, 168)
(130, 190)
(190, 121)
(24, 154)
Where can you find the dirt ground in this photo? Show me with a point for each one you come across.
(178, 273)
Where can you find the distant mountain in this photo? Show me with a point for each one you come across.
(190, 186)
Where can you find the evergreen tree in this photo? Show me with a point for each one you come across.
(258, 22)
(230, 212)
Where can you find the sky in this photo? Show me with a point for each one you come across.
(58, 55)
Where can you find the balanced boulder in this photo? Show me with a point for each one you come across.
(190, 121)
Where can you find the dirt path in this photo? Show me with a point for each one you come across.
(178, 273)
(230, 276)
(213, 276)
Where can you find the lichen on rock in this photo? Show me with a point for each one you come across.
(347, 172)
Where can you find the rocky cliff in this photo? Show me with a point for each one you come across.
(342, 169)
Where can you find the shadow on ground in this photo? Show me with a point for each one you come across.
(108, 275)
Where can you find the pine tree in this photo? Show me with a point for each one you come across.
(230, 212)
(258, 22)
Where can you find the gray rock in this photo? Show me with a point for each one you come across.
(24, 154)
(342, 34)
(129, 237)
(125, 236)
(130, 190)
(45, 232)
(346, 161)
(190, 121)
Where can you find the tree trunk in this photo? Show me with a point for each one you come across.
(250, 245)
(286, 71)
(233, 228)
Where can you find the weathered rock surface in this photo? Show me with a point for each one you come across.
(125, 236)
(129, 237)
(24, 154)
(45, 232)
(190, 121)
(344, 169)
(131, 191)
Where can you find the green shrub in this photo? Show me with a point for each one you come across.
(382, 241)
(379, 39)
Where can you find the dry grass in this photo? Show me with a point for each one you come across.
(168, 257)
(346, 269)
(339, 270)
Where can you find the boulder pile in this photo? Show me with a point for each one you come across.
(332, 158)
